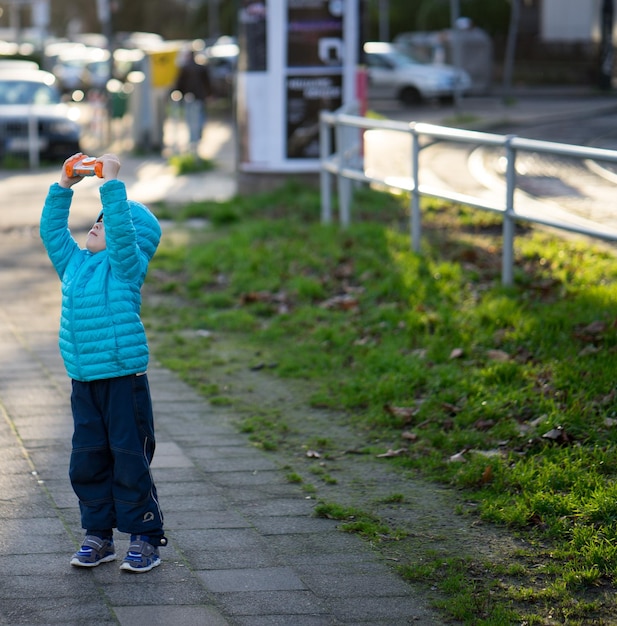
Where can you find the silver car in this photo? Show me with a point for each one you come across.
(32, 117)
(393, 73)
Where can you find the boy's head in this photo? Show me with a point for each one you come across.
(146, 226)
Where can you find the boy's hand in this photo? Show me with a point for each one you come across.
(68, 181)
(111, 166)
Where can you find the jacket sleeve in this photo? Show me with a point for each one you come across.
(54, 228)
(126, 260)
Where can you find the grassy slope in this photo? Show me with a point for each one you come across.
(508, 394)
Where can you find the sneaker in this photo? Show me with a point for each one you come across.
(94, 551)
(142, 556)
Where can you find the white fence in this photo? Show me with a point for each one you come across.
(345, 161)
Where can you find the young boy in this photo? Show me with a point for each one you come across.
(105, 352)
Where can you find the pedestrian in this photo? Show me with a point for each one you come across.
(103, 344)
(193, 82)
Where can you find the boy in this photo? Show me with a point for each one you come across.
(105, 352)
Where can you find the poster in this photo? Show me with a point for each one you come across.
(307, 95)
(315, 33)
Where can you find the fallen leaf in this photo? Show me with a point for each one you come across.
(590, 349)
(498, 355)
(342, 302)
(487, 475)
(457, 353)
(313, 454)
(255, 296)
(590, 332)
(409, 436)
(344, 270)
(558, 435)
(484, 424)
(391, 453)
(596, 327)
(451, 408)
(458, 457)
(404, 412)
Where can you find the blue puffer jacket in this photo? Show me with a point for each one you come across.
(101, 333)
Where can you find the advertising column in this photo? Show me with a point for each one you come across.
(297, 58)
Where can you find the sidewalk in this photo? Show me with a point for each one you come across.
(244, 546)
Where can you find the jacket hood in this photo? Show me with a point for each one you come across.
(146, 226)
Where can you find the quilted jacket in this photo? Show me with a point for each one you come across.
(101, 333)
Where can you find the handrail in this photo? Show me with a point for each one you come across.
(346, 163)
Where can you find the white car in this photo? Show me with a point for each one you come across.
(393, 73)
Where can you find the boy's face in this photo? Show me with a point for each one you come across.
(95, 241)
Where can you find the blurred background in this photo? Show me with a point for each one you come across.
(115, 62)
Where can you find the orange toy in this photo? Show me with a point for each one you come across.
(84, 166)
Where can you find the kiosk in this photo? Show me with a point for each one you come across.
(297, 58)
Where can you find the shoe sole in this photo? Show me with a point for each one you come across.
(106, 559)
(127, 567)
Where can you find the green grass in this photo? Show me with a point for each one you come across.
(508, 394)
(190, 164)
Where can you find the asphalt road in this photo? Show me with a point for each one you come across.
(548, 184)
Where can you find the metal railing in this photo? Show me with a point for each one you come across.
(347, 165)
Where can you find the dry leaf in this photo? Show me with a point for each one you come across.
(313, 454)
(558, 435)
(457, 353)
(484, 424)
(458, 457)
(343, 302)
(590, 349)
(404, 412)
(391, 453)
(409, 436)
(487, 475)
(596, 327)
(451, 408)
(498, 355)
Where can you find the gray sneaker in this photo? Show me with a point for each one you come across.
(142, 556)
(94, 551)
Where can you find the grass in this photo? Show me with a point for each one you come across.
(190, 164)
(507, 394)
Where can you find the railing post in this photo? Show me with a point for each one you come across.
(344, 185)
(509, 224)
(414, 210)
(325, 179)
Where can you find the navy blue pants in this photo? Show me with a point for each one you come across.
(113, 446)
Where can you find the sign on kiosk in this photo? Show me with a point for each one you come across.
(297, 58)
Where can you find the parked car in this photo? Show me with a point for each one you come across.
(82, 67)
(394, 73)
(28, 96)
